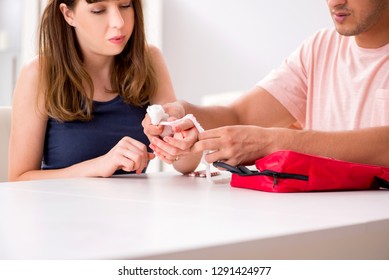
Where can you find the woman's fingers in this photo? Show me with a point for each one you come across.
(183, 125)
(136, 154)
(164, 151)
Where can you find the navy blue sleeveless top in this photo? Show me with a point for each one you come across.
(68, 143)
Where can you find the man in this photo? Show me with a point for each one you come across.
(336, 86)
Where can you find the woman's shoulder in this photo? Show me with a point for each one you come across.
(31, 69)
(155, 52)
(153, 48)
(156, 56)
(28, 84)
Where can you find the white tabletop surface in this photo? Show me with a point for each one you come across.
(170, 216)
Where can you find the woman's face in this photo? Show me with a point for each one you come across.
(102, 28)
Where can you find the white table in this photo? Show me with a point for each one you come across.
(169, 216)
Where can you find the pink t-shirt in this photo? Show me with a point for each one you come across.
(331, 84)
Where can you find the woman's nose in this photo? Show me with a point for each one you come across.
(116, 19)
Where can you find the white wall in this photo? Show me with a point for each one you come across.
(18, 25)
(153, 15)
(30, 22)
(223, 45)
(10, 47)
(210, 45)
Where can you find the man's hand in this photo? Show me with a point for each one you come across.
(236, 144)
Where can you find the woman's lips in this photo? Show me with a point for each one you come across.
(117, 40)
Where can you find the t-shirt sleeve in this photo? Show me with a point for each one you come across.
(288, 83)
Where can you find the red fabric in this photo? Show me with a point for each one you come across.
(324, 174)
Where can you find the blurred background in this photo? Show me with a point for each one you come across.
(210, 46)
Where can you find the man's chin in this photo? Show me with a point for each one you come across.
(346, 32)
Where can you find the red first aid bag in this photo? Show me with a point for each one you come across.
(288, 171)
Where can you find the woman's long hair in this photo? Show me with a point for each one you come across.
(62, 71)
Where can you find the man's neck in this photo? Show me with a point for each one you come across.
(376, 37)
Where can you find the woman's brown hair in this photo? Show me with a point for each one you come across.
(62, 71)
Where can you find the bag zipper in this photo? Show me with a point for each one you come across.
(244, 171)
(282, 175)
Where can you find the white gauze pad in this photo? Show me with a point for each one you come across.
(199, 129)
(157, 114)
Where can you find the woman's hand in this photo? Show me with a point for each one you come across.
(172, 148)
(174, 110)
(176, 148)
(128, 154)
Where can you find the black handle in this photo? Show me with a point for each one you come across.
(240, 169)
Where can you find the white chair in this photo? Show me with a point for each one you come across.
(5, 128)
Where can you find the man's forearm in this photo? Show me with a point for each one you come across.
(211, 116)
(369, 146)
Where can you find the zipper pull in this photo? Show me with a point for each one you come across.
(275, 181)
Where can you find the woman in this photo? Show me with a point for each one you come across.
(78, 106)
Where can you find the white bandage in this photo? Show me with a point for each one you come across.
(158, 117)
(199, 129)
(157, 114)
